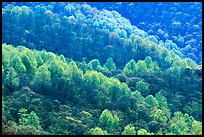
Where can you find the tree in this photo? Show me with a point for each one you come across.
(11, 80)
(129, 130)
(136, 99)
(33, 120)
(154, 126)
(109, 122)
(56, 68)
(75, 71)
(17, 64)
(159, 116)
(110, 65)
(143, 132)
(181, 123)
(31, 65)
(95, 64)
(23, 116)
(151, 103)
(130, 68)
(42, 79)
(29, 119)
(141, 67)
(97, 131)
(162, 102)
(148, 61)
(197, 127)
(94, 78)
(143, 87)
(38, 59)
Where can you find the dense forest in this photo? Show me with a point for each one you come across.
(68, 76)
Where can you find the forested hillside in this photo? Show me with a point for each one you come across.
(44, 93)
(69, 68)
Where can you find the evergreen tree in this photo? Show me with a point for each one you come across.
(129, 130)
(110, 65)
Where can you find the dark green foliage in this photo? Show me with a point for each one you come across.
(122, 77)
(154, 126)
(11, 80)
(65, 97)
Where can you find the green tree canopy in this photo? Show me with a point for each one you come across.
(17, 64)
(143, 87)
(110, 65)
(11, 80)
(130, 68)
(97, 131)
(109, 122)
(129, 130)
(29, 119)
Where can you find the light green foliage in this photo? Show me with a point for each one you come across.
(28, 119)
(110, 65)
(151, 103)
(141, 67)
(180, 124)
(42, 79)
(17, 64)
(129, 130)
(97, 131)
(43, 74)
(162, 102)
(138, 95)
(38, 59)
(62, 58)
(23, 116)
(6, 55)
(11, 80)
(77, 74)
(31, 66)
(180, 63)
(47, 57)
(197, 127)
(2, 69)
(130, 68)
(143, 132)
(151, 66)
(33, 120)
(94, 77)
(95, 64)
(56, 68)
(143, 87)
(109, 122)
(159, 116)
(154, 67)
(115, 87)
